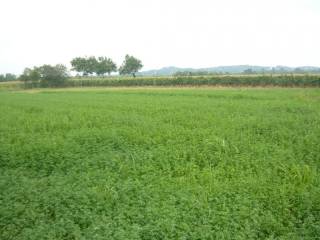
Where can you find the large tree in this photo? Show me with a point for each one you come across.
(46, 75)
(86, 65)
(89, 65)
(30, 75)
(53, 76)
(79, 65)
(130, 65)
(7, 77)
(105, 65)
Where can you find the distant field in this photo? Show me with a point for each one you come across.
(160, 163)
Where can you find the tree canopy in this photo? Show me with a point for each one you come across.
(130, 65)
(79, 65)
(7, 77)
(90, 65)
(46, 75)
(53, 75)
(105, 65)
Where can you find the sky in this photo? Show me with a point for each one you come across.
(182, 33)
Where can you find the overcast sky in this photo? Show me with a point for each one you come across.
(183, 33)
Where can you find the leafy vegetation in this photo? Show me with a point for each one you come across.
(290, 80)
(45, 76)
(7, 77)
(102, 65)
(99, 66)
(130, 65)
(251, 80)
(160, 164)
(53, 76)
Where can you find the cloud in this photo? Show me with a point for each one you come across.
(192, 33)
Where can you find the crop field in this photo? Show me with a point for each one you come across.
(283, 80)
(235, 80)
(193, 163)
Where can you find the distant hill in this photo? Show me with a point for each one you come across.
(166, 71)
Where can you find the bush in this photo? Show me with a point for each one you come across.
(53, 76)
(45, 76)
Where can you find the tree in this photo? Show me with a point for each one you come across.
(79, 65)
(53, 76)
(46, 75)
(30, 75)
(105, 65)
(248, 71)
(10, 77)
(89, 65)
(85, 65)
(7, 77)
(130, 65)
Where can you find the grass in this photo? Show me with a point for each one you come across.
(160, 164)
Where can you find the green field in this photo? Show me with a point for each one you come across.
(160, 164)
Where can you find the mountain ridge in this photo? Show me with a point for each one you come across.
(233, 69)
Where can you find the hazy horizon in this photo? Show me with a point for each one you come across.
(186, 34)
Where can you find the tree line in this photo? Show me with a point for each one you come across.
(7, 77)
(49, 75)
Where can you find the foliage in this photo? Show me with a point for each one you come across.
(105, 65)
(249, 71)
(53, 76)
(30, 77)
(193, 73)
(290, 80)
(285, 80)
(7, 77)
(45, 76)
(130, 65)
(160, 164)
(90, 65)
(79, 64)
(86, 65)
